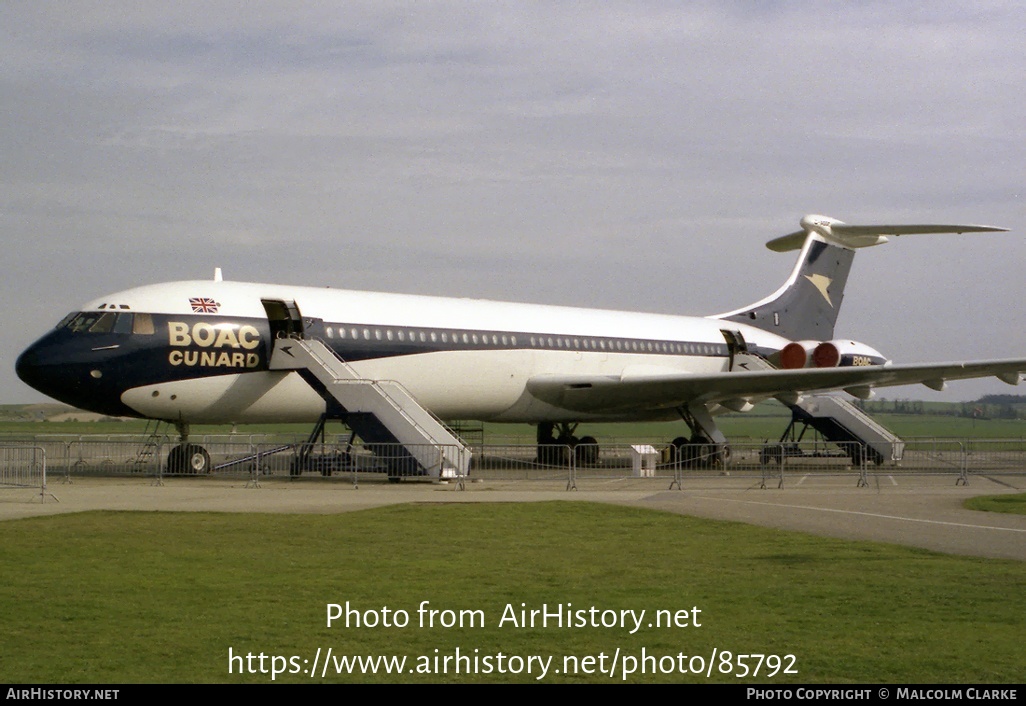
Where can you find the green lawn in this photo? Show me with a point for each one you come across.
(766, 421)
(162, 597)
(1015, 504)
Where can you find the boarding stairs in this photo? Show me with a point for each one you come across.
(840, 421)
(837, 420)
(379, 411)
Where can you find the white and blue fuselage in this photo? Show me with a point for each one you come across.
(198, 351)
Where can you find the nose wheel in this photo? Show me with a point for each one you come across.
(188, 459)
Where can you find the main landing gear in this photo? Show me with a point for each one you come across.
(186, 458)
(707, 447)
(557, 441)
(698, 452)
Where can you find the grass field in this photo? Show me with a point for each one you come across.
(757, 427)
(1015, 504)
(161, 597)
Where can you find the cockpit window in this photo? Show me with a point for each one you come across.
(107, 322)
(83, 322)
(123, 323)
(143, 323)
(103, 324)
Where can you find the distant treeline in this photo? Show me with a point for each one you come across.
(986, 407)
(1003, 399)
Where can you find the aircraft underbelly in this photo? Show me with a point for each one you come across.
(262, 397)
(452, 385)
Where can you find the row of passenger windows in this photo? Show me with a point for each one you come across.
(507, 340)
(139, 323)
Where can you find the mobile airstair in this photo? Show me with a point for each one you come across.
(381, 412)
(837, 420)
(841, 422)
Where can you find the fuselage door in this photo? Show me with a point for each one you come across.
(284, 318)
(735, 344)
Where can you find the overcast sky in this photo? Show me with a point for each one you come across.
(620, 155)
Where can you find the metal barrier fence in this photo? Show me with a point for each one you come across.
(24, 467)
(765, 463)
(240, 456)
(9, 438)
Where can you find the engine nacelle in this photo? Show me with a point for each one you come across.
(843, 353)
(797, 354)
(826, 354)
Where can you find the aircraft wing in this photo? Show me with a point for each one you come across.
(667, 390)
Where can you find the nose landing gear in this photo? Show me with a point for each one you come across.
(186, 458)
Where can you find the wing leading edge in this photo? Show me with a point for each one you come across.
(602, 394)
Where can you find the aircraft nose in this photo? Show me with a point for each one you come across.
(71, 372)
(42, 368)
(31, 369)
(25, 367)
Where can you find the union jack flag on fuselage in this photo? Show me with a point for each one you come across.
(203, 305)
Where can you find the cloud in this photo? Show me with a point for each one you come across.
(634, 155)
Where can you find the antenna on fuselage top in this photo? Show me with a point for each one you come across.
(217, 274)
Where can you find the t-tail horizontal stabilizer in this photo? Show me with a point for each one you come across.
(856, 236)
(807, 305)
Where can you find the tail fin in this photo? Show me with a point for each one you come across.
(806, 307)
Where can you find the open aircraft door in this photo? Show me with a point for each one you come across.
(735, 344)
(284, 319)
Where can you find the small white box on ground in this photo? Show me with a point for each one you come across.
(643, 459)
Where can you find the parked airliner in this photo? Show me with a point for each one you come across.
(205, 351)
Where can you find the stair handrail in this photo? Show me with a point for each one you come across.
(384, 393)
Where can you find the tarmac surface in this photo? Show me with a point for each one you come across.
(919, 511)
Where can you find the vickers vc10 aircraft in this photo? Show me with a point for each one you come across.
(220, 351)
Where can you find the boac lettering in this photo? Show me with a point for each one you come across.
(215, 338)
